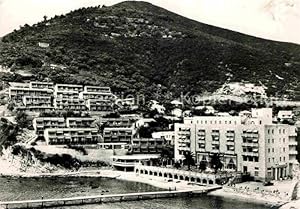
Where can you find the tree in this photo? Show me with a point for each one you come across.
(189, 159)
(22, 119)
(215, 162)
(203, 166)
(45, 18)
(167, 153)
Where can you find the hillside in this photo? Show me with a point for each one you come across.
(136, 47)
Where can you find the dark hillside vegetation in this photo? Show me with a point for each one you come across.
(136, 47)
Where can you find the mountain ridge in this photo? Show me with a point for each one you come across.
(136, 47)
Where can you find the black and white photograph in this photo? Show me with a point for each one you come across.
(154, 104)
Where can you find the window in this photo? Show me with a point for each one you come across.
(283, 139)
(272, 149)
(272, 131)
(283, 131)
(269, 150)
(269, 141)
(279, 131)
(273, 159)
(244, 158)
(283, 149)
(269, 160)
(280, 159)
(256, 173)
(283, 158)
(273, 141)
(268, 131)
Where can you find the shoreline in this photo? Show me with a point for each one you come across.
(158, 182)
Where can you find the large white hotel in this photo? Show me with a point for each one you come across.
(249, 143)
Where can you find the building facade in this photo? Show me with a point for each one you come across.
(147, 145)
(248, 144)
(42, 123)
(118, 135)
(60, 136)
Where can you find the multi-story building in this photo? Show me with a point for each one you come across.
(118, 122)
(59, 136)
(35, 110)
(118, 134)
(248, 144)
(96, 105)
(42, 123)
(167, 136)
(66, 95)
(68, 87)
(16, 93)
(97, 95)
(44, 101)
(80, 122)
(70, 104)
(97, 89)
(147, 146)
(41, 85)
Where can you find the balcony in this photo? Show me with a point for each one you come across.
(215, 142)
(228, 134)
(230, 143)
(251, 154)
(230, 152)
(249, 144)
(293, 152)
(293, 143)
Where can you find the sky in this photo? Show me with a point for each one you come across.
(270, 19)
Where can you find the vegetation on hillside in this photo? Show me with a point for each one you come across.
(136, 47)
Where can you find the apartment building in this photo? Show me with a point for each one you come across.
(167, 136)
(35, 110)
(44, 101)
(66, 94)
(42, 123)
(118, 122)
(97, 89)
(80, 122)
(41, 85)
(118, 135)
(147, 145)
(61, 136)
(247, 144)
(70, 104)
(68, 87)
(17, 93)
(98, 105)
(97, 95)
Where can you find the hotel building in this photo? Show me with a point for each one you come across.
(44, 101)
(167, 136)
(147, 146)
(70, 104)
(59, 136)
(96, 95)
(248, 144)
(97, 89)
(96, 105)
(41, 85)
(17, 94)
(118, 135)
(42, 123)
(68, 87)
(80, 122)
(118, 122)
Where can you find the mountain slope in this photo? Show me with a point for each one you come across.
(136, 47)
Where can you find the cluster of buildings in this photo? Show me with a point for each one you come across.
(36, 97)
(251, 144)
